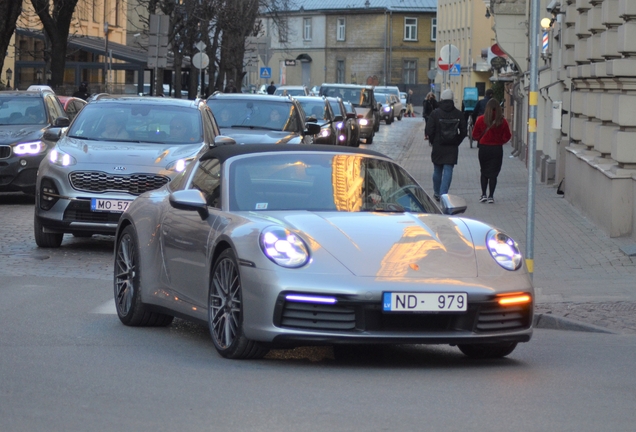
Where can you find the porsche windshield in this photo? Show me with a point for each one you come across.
(138, 123)
(324, 182)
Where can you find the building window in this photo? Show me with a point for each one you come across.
(410, 29)
(96, 9)
(117, 13)
(340, 71)
(307, 29)
(410, 71)
(341, 30)
(282, 30)
(434, 29)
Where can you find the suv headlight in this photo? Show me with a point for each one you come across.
(504, 250)
(363, 122)
(179, 165)
(284, 247)
(29, 148)
(57, 157)
(325, 132)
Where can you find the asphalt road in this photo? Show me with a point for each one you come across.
(68, 364)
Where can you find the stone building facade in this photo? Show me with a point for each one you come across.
(587, 101)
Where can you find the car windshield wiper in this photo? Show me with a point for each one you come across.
(253, 127)
(385, 208)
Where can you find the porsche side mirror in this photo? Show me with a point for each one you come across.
(452, 204)
(189, 200)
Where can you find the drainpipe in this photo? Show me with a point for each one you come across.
(386, 41)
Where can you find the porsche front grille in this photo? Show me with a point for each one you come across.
(499, 318)
(135, 184)
(318, 316)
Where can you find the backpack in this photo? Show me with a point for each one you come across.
(448, 130)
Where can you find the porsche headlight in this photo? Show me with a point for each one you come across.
(60, 158)
(504, 250)
(29, 148)
(284, 247)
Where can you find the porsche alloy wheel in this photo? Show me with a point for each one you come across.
(225, 311)
(130, 309)
(487, 351)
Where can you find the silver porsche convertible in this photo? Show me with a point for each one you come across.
(280, 246)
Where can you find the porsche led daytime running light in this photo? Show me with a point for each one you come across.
(514, 300)
(310, 299)
(504, 250)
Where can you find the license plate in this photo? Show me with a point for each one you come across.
(424, 302)
(106, 205)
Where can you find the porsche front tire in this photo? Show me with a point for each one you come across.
(127, 285)
(225, 311)
(487, 351)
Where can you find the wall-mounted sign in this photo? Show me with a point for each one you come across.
(290, 62)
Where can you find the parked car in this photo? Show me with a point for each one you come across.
(72, 105)
(274, 246)
(344, 131)
(362, 98)
(319, 110)
(115, 150)
(400, 107)
(352, 124)
(261, 119)
(288, 90)
(403, 98)
(30, 124)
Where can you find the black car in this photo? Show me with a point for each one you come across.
(363, 99)
(343, 127)
(352, 124)
(319, 110)
(261, 119)
(30, 124)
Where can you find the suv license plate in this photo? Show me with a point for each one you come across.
(424, 302)
(106, 205)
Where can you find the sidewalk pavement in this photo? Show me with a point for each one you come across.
(579, 272)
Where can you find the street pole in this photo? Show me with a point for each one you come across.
(532, 131)
(105, 53)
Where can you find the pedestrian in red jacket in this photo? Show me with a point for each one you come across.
(491, 131)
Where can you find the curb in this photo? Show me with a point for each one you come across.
(554, 322)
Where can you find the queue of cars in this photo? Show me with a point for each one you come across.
(270, 245)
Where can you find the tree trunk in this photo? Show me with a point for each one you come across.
(9, 12)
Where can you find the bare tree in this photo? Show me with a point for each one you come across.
(9, 12)
(56, 16)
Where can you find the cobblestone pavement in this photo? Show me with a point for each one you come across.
(580, 273)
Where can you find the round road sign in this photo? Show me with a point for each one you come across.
(200, 60)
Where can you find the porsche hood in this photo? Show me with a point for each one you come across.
(392, 245)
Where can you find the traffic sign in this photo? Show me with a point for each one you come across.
(266, 72)
(455, 70)
(200, 60)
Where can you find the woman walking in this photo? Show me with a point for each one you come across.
(491, 131)
(430, 103)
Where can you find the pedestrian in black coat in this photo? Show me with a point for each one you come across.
(445, 129)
